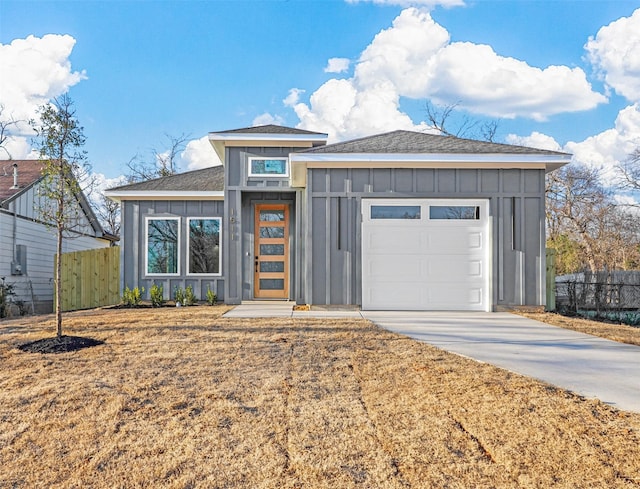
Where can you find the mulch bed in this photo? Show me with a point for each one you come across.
(63, 344)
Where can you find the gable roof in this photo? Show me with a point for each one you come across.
(203, 183)
(29, 172)
(418, 142)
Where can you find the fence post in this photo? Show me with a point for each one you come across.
(551, 280)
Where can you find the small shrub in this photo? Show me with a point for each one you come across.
(212, 298)
(132, 298)
(157, 295)
(178, 295)
(189, 296)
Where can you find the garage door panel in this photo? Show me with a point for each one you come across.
(451, 268)
(441, 297)
(454, 240)
(394, 268)
(400, 240)
(426, 264)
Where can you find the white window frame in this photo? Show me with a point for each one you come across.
(269, 175)
(147, 219)
(187, 256)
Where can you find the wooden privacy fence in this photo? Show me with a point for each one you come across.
(551, 280)
(90, 278)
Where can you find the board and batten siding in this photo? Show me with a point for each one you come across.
(333, 241)
(133, 239)
(36, 285)
(242, 192)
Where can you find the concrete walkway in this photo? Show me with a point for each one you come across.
(584, 364)
(262, 309)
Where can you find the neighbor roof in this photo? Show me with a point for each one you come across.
(29, 172)
(411, 142)
(209, 181)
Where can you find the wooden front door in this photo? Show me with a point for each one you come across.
(271, 266)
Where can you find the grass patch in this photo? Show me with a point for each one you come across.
(615, 332)
(180, 397)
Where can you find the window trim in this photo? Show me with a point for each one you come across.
(146, 245)
(187, 256)
(269, 175)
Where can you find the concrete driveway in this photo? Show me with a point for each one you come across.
(587, 365)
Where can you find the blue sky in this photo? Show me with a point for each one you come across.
(138, 70)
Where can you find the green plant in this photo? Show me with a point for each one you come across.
(178, 295)
(132, 297)
(212, 298)
(157, 295)
(5, 291)
(189, 297)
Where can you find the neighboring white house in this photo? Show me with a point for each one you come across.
(28, 245)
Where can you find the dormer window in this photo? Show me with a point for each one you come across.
(268, 167)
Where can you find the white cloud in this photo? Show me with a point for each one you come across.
(498, 86)
(199, 154)
(337, 65)
(267, 118)
(414, 58)
(612, 146)
(35, 70)
(293, 97)
(615, 52)
(534, 140)
(415, 3)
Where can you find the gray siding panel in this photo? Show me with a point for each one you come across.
(132, 264)
(516, 212)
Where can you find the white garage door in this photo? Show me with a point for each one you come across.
(425, 254)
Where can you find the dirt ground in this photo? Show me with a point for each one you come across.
(182, 398)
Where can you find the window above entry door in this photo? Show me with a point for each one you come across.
(269, 167)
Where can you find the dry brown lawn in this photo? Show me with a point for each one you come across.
(610, 331)
(182, 398)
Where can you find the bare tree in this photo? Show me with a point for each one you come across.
(440, 118)
(163, 162)
(7, 124)
(108, 212)
(629, 172)
(585, 223)
(60, 140)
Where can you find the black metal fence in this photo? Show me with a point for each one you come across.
(609, 301)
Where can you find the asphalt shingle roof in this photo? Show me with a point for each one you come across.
(29, 172)
(269, 129)
(209, 179)
(417, 142)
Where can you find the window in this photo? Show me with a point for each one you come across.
(204, 245)
(163, 237)
(395, 212)
(468, 212)
(268, 167)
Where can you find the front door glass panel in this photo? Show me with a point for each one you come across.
(271, 251)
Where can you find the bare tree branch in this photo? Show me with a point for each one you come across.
(440, 118)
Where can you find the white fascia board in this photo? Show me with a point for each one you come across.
(428, 158)
(221, 136)
(119, 195)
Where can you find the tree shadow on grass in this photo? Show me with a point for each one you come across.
(63, 344)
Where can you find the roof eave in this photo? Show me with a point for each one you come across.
(550, 161)
(220, 140)
(120, 195)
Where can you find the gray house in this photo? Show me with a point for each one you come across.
(401, 220)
